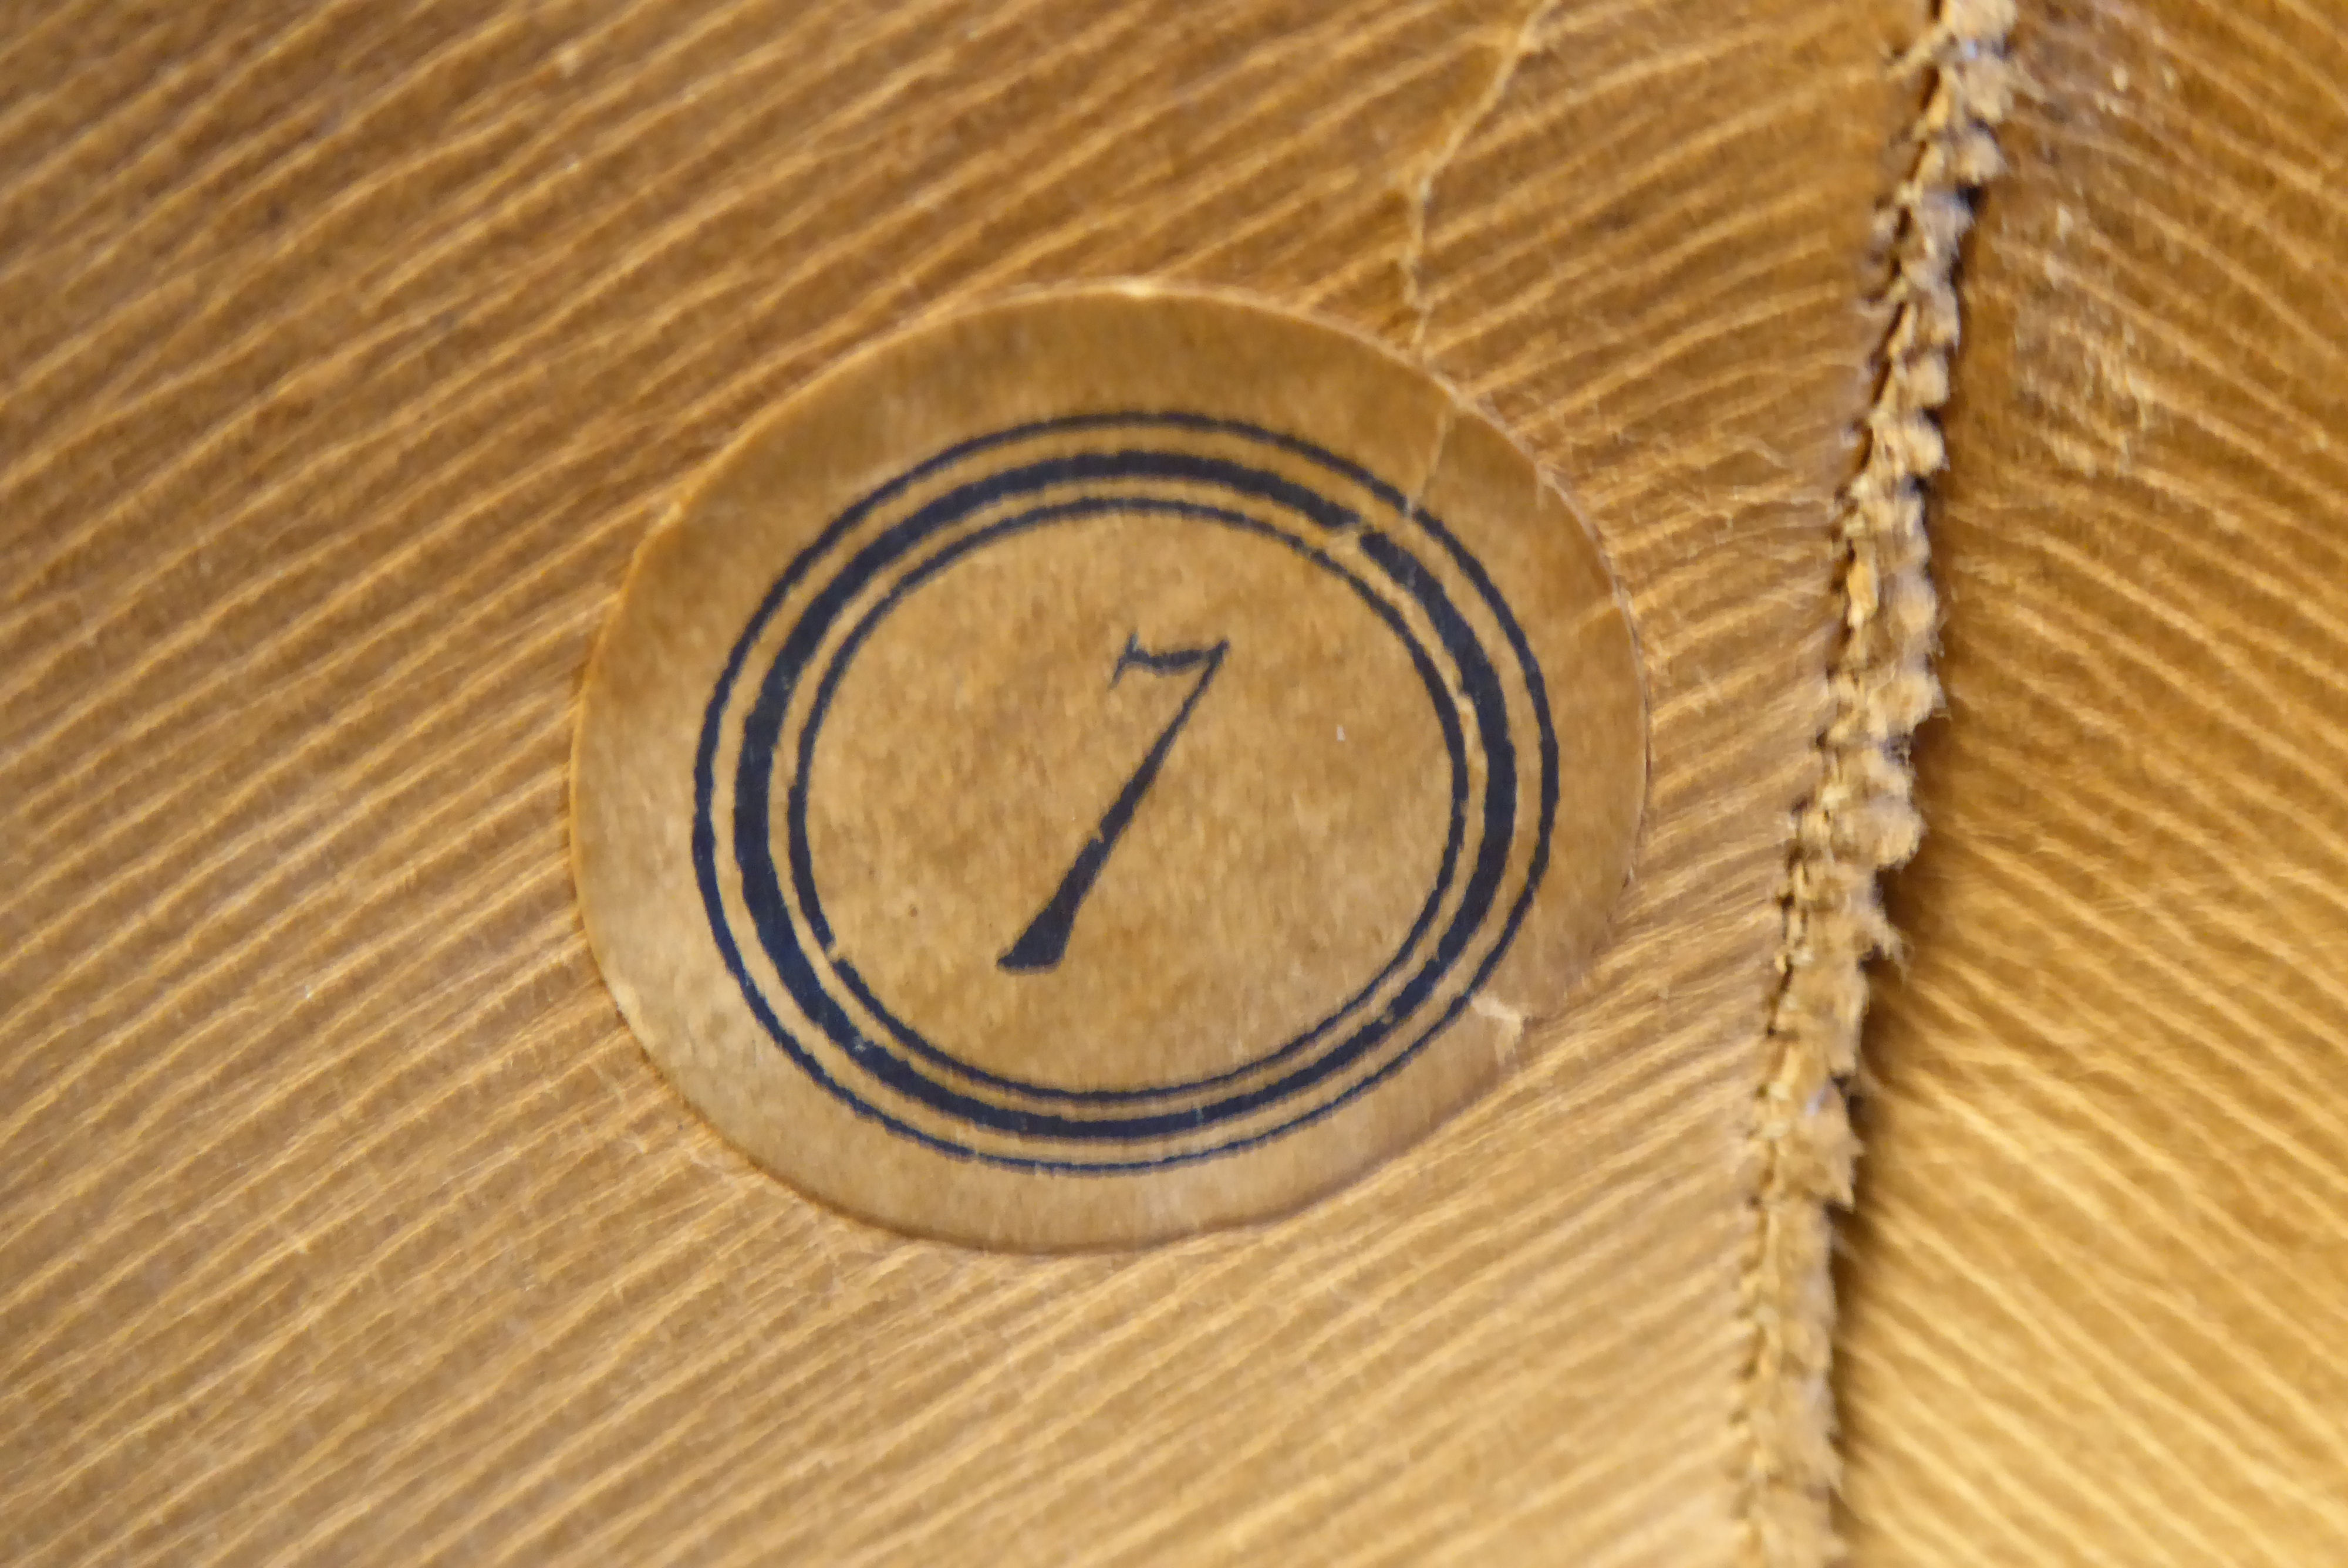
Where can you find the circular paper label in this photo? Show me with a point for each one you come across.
(1105, 766)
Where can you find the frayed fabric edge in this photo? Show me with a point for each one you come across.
(1860, 819)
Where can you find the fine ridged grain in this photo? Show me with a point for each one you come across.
(2096, 1284)
(352, 355)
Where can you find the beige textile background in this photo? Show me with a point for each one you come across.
(352, 347)
(2096, 1291)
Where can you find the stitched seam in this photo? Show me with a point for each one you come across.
(1860, 820)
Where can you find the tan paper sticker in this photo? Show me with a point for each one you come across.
(1105, 766)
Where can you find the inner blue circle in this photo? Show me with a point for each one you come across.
(771, 912)
(1446, 715)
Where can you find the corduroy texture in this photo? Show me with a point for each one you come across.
(1861, 820)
